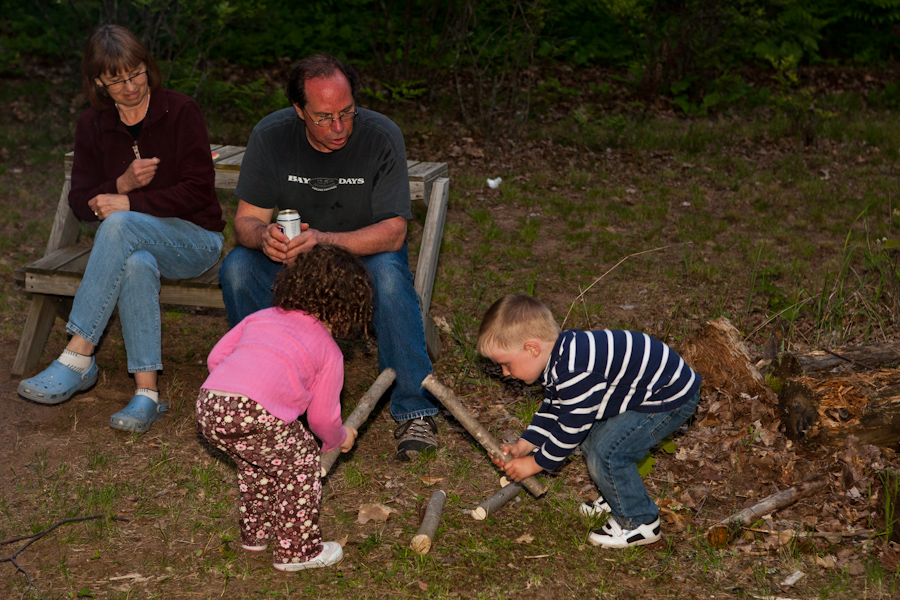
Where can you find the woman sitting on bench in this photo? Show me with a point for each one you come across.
(143, 169)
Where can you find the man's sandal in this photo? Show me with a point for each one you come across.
(57, 383)
(141, 412)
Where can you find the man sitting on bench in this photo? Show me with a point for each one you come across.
(343, 168)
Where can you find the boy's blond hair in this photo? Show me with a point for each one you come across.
(513, 320)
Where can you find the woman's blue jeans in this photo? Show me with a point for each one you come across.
(247, 276)
(612, 448)
(131, 252)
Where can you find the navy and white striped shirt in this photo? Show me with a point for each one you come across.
(596, 375)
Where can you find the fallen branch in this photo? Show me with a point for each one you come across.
(848, 359)
(35, 537)
(360, 413)
(611, 269)
(496, 502)
(421, 542)
(476, 429)
(724, 531)
(833, 537)
(778, 314)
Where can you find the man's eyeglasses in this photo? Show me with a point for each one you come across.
(327, 121)
(117, 85)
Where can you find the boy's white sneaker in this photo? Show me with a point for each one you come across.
(595, 508)
(611, 535)
(331, 554)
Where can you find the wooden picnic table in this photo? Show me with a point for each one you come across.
(53, 279)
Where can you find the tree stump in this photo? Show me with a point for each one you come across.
(824, 396)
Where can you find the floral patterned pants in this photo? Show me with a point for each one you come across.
(278, 474)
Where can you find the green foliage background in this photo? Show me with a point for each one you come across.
(694, 52)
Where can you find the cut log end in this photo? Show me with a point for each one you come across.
(496, 502)
(420, 544)
(423, 539)
(719, 536)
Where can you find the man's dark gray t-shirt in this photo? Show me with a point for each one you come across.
(363, 183)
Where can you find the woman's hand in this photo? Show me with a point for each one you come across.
(104, 205)
(138, 174)
(350, 439)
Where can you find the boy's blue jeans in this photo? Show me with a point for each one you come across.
(247, 277)
(131, 252)
(612, 448)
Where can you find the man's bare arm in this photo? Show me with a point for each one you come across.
(254, 229)
(384, 236)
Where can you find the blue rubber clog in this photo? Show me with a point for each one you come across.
(141, 412)
(57, 383)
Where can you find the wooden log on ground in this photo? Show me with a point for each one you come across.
(723, 532)
(830, 406)
(421, 542)
(361, 413)
(857, 359)
(496, 502)
(476, 429)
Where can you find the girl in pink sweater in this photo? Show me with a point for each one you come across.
(274, 366)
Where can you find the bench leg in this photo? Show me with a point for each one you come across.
(432, 339)
(40, 320)
(426, 268)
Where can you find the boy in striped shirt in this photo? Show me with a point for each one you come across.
(615, 393)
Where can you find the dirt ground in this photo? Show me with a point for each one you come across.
(733, 456)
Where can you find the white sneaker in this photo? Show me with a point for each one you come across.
(611, 535)
(331, 554)
(595, 508)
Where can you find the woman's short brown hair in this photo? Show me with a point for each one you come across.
(113, 49)
(330, 284)
(513, 320)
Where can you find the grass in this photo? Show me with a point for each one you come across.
(767, 231)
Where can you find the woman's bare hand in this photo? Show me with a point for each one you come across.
(138, 174)
(104, 205)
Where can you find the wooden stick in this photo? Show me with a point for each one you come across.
(496, 502)
(476, 429)
(360, 413)
(421, 543)
(724, 531)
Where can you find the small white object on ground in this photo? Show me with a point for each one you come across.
(494, 183)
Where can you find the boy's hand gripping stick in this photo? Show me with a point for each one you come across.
(361, 413)
(476, 429)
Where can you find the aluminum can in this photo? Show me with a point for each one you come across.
(288, 222)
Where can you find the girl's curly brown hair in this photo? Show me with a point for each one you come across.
(330, 284)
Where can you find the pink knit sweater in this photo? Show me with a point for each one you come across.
(287, 362)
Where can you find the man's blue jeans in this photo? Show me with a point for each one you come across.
(131, 252)
(611, 450)
(247, 276)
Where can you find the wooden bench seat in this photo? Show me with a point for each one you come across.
(58, 273)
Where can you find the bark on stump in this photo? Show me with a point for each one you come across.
(825, 397)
